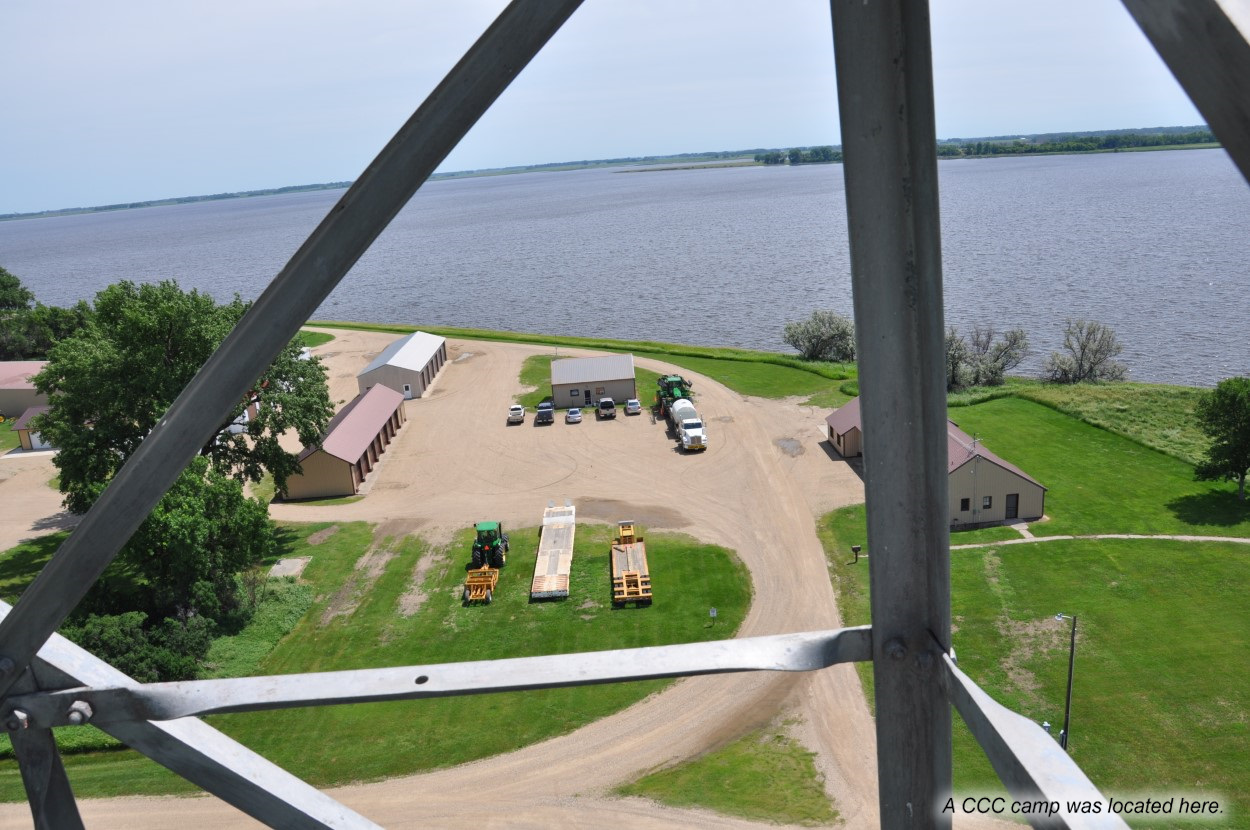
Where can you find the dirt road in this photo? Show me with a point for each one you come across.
(756, 490)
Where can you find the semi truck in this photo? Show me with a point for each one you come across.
(687, 425)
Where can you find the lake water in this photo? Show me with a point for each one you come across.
(1155, 244)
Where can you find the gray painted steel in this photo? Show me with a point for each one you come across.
(1029, 761)
(1206, 44)
(195, 750)
(353, 223)
(169, 701)
(885, 102)
(52, 804)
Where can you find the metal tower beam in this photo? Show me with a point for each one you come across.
(885, 103)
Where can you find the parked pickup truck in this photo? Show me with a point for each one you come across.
(516, 414)
(606, 408)
(545, 414)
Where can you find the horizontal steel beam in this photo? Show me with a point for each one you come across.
(363, 212)
(188, 747)
(166, 701)
(1028, 760)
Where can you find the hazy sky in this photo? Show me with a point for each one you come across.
(144, 99)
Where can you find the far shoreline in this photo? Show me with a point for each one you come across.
(643, 164)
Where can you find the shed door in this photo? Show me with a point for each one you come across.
(1013, 505)
(407, 391)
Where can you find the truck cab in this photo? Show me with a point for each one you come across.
(606, 408)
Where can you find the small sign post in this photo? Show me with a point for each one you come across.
(711, 612)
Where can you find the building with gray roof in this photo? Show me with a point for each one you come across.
(409, 365)
(583, 381)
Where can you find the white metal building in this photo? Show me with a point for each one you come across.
(582, 381)
(408, 365)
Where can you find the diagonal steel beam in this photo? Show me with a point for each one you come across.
(166, 701)
(353, 223)
(885, 104)
(1027, 760)
(1206, 44)
(52, 804)
(190, 748)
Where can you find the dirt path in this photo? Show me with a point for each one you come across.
(756, 490)
(29, 508)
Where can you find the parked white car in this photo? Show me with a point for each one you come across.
(633, 406)
(573, 416)
(516, 414)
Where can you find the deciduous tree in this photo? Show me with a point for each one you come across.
(1224, 415)
(108, 385)
(826, 335)
(1089, 352)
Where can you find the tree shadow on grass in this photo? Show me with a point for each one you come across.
(1214, 507)
(20, 566)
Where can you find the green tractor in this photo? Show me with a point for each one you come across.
(490, 548)
(672, 388)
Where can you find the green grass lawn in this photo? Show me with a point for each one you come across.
(766, 776)
(312, 339)
(8, 438)
(333, 745)
(1159, 703)
(1100, 482)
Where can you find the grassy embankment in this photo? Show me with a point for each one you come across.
(765, 775)
(353, 623)
(1159, 703)
(765, 374)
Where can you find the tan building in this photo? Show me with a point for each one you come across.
(983, 488)
(17, 393)
(29, 439)
(408, 365)
(842, 427)
(582, 381)
(351, 447)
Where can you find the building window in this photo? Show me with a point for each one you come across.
(987, 502)
(599, 390)
(573, 393)
(964, 505)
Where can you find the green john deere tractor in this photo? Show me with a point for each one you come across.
(490, 548)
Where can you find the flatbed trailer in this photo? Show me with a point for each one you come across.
(631, 577)
(479, 585)
(555, 553)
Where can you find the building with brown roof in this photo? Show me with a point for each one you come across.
(983, 489)
(27, 437)
(354, 441)
(844, 431)
(17, 393)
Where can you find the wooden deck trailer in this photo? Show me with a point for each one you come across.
(555, 553)
(631, 578)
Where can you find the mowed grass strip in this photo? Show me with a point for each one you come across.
(1159, 705)
(1100, 482)
(765, 775)
(356, 623)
